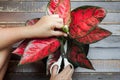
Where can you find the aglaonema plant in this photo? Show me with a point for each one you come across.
(81, 25)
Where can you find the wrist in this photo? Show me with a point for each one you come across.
(27, 32)
(32, 32)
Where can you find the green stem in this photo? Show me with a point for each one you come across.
(62, 41)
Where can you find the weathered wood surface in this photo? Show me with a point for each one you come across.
(71, 0)
(22, 17)
(76, 76)
(99, 65)
(105, 54)
(40, 6)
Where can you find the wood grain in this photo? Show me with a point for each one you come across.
(40, 6)
(34, 67)
(105, 54)
(71, 0)
(99, 65)
(22, 17)
(76, 76)
(103, 66)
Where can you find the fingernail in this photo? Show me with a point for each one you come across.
(55, 66)
(65, 35)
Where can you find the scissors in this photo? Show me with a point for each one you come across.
(63, 58)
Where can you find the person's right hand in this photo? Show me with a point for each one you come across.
(66, 74)
(46, 26)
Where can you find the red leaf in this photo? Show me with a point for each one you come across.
(85, 19)
(99, 13)
(52, 6)
(39, 49)
(83, 61)
(20, 49)
(94, 36)
(32, 21)
(61, 7)
(78, 58)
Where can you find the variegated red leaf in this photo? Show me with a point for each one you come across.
(85, 19)
(52, 6)
(78, 58)
(94, 36)
(38, 49)
(60, 7)
(20, 49)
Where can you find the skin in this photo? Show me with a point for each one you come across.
(66, 74)
(4, 58)
(45, 27)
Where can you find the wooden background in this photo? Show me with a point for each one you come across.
(105, 55)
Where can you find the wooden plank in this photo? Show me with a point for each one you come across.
(76, 76)
(99, 65)
(96, 76)
(104, 53)
(11, 25)
(112, 18)
(115, 29)
(102, 66)
(15, 17)
(14, 6)
(71, 0)
(26, 76)
(40, 6)
(95, 53)
(33, 67)
(111, 41)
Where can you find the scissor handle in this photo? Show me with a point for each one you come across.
(58, 63)
(66, 63)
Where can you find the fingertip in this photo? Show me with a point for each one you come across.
(71, 71)
(55, 15)
(55, 67)
(54, 70)
(69, 67)
(65, 35)
(59, 33)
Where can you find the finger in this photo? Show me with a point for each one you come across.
(59, 33)
(59, 20)
(70, 79)
(70, 73)
(58, 25)
(54, 70)
(55, 15)
(66, 70)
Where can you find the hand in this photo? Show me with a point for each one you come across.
(46, 26)
(66, 74)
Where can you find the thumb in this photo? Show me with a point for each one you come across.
(59, 33)
(54, 70)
